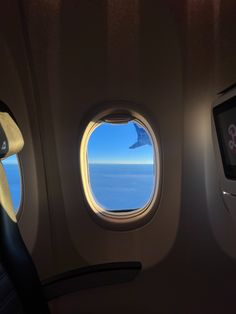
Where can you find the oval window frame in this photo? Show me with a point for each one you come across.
(125, 219)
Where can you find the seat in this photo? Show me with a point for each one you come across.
(20, 287)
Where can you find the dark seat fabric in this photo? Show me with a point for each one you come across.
(19, 267)
(9, 300)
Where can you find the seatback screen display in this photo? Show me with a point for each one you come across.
(225, 121)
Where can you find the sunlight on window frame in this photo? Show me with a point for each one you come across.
(123, 216)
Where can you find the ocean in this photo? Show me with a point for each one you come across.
(118, 187)
(115, 187)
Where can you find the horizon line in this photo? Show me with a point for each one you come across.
(120, 163)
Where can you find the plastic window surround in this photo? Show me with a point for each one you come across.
(128, 219)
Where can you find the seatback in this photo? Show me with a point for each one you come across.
(16, 264)
(9, 299)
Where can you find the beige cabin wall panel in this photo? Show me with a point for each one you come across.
(91, 73)
(209, 68)
(201, 257)
(44, 29)
(83, 54)
(16, 92)
(222, 223)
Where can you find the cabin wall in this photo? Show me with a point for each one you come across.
(60, 62)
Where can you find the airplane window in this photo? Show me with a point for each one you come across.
(12, 169)
(121, 166)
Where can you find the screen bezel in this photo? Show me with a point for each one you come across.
(229, 170)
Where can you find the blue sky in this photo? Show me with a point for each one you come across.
(109, 143)
(14, 179)
(10, 160)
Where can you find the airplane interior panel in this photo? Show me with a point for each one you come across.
(117, 156)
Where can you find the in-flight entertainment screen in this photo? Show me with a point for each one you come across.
(225, 121)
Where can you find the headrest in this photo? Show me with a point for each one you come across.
(11, 140)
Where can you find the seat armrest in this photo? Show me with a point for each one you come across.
(90, 277)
